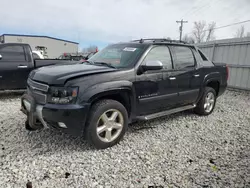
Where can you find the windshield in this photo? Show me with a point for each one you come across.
(118, 55)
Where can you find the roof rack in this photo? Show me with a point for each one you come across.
(159, 40)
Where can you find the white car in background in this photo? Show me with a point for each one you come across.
(37, 55)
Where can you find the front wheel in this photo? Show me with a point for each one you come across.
(107, 124)
(207, 102)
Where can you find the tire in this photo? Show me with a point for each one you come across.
(38, 126)
(202, 108)
(107, 125)
(28, 127)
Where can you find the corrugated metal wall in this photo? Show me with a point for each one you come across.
(234, 52)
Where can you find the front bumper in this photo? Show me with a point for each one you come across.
(67, 118)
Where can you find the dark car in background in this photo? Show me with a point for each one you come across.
(16, 62)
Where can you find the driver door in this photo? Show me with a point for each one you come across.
(153, 93)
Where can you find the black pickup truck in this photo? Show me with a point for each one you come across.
(16, 62)
(123, 83)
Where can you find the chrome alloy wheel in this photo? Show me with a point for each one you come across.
(209, 102)
(110, 125)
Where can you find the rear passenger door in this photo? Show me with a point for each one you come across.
(14, 67)
(186, 74)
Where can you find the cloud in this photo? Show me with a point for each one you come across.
(116, 20)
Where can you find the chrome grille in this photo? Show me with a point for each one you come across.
(38, 91)
(38, 86)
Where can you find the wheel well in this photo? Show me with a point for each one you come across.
(122, 97)
(215, 85)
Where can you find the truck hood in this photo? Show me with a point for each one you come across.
(59, 74)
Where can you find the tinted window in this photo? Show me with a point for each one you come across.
(202, 56)
(162, 54)
(18, 49)
(204, 61)
(12, 53)
(183, 57)
(35, 56)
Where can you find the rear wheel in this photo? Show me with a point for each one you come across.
(107, 124)
(207, 102)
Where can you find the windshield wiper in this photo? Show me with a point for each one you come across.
(105, 64)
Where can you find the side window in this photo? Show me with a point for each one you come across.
(16, 49)
(183, 57)
(205, 62)
(12, 53)
(160, 53)
(202, 56)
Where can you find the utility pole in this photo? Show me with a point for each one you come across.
(181, 27)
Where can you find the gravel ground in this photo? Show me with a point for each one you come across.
(181, 150)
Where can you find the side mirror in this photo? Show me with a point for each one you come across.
(152, 65)
(1, 56)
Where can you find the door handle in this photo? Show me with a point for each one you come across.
(196, 75)
(172, 78)
(22, 66)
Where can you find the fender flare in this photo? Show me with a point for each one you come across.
(92, 93)
(215, 76)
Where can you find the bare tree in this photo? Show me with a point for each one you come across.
(201, 32)
(240, 33)
(210, 31)
(188, 39)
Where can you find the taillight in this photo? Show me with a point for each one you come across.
(227, 71)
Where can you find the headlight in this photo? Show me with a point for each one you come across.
(61, 95)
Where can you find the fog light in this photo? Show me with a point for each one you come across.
(62, 125)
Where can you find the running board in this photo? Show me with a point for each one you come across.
(164, 113)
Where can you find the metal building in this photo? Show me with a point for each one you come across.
(51, 47)
(234, 52)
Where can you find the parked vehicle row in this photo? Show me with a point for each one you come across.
(123, 83)
(76, 56)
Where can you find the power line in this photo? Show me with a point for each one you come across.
(202, 7)
(237, 23)
(190, 10)
(181, 27)
(208, 5)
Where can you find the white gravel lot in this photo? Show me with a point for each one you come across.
(181, 150)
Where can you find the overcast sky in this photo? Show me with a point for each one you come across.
(105, 21)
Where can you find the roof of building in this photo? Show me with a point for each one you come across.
(41, 36)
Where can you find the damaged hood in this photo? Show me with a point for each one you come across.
(59, 74)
